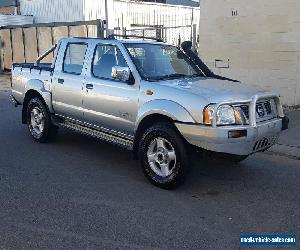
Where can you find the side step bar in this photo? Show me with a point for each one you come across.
(122, 142)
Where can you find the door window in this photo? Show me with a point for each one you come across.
(74, 58)
(105, 58)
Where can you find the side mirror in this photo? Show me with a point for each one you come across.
(121, 73)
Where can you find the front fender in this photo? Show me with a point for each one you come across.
(43, 90)
(167, 108)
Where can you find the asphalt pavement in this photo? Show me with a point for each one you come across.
(80, 193)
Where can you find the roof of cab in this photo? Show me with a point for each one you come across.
(150, 41)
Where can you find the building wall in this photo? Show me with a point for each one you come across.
(121, 14)
(150, 14)
(174, 19)
(257, 42)
(46, 11)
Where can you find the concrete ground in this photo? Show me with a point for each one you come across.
(79, 193)
(291, 137)
(289, 141)
(5, 82)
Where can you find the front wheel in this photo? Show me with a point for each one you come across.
(163, 156)
(39, 121)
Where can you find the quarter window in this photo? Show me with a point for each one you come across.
(105, 58)
(74, 58)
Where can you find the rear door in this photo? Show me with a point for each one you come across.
(68, 80)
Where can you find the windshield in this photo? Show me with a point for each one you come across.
(157, 62)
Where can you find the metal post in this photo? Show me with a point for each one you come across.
(106, 17)
(100, 29)
(194, 37)
(192, 22)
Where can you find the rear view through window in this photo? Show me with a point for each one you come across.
(74, 58)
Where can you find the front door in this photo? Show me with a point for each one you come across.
(109, 103)
(68, 80)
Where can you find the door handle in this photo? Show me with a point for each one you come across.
(61, 81)
(89, 86)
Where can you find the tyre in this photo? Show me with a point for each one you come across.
(163, 155)
(39, 121)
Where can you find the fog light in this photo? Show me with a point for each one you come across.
(237, 133)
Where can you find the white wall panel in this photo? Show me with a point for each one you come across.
(45, 11)
(94, 9)
(147, 14)
(121, 12)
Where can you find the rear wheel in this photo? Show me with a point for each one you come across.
(163, 156)
(39, 121)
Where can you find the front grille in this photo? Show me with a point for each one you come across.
(265, 110)
(268, 107)
(245, 109)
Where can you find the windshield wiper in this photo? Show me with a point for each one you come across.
(197, 75)
(171, 76)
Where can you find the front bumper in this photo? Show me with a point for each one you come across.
(257, 138)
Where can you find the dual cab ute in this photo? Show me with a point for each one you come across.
(146, 96)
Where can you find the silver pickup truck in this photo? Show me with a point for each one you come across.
(149, 97)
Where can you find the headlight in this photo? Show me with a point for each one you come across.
(226, 115)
